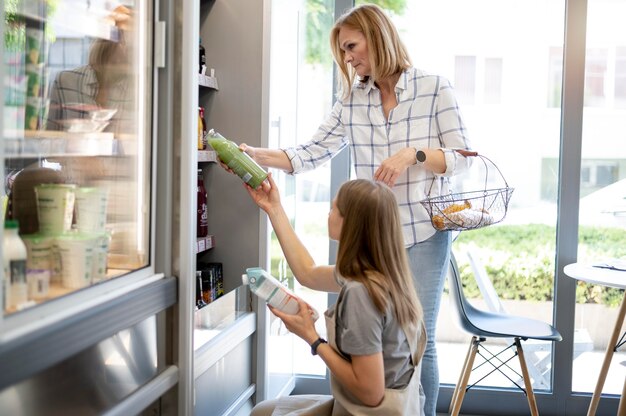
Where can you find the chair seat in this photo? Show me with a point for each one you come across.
(495, 325)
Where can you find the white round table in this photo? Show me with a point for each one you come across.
(587, 272)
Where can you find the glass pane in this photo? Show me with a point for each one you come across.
(75, 146)
(301, 96)
(602, 217)
(507, 80)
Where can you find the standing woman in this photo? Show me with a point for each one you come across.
(402, 126)
(376, 335)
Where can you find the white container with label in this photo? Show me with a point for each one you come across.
(268, 288)
(91, 205)
(55, 207)
(100, 256)
(14, 256)
(76, 259)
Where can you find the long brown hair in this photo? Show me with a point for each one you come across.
(387, 54)
(371, 248)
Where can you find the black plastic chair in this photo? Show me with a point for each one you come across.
(483, 325)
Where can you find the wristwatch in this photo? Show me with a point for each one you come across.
(317, 344)
(420, 156)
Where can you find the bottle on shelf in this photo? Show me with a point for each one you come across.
(208, 285)
(201, 136)
(200, 303)
(202, 57)
(202, 220)
(14, 254)
(204, 128)
(240, 162)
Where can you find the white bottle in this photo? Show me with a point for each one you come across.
(14, 255)
(268, 288)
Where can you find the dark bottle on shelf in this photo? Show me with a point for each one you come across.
(204, 127)
(202, 60)
(218, 279)
(203, 216)
(208, 285)
(200, 303)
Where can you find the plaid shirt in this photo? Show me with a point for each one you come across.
(427, 116)
(73, 95)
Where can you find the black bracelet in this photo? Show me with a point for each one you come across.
(317, 344)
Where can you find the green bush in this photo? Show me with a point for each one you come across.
(519, 259)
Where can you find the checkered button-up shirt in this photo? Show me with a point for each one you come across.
(427, 116)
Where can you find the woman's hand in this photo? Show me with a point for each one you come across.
(392, 167)
(265, 196)
(251, 151)
(301, 324)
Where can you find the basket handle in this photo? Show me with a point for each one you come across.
(471, 153)
(466, 153)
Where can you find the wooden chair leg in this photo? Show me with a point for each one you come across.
(530, 395)
(459, 391)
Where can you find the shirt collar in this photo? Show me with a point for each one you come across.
(401, 85)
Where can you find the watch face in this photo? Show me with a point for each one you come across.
(420, 156)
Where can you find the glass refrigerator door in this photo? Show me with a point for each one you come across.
(76, 148)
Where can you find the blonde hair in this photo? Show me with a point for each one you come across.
(371, 248)
(387, 54)
(108, 59)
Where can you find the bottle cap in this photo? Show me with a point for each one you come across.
(11, 224)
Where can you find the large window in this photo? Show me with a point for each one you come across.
(602, 213)
(508, 73)
(500, 82)
(300, 97)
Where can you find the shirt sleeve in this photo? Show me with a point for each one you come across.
(361, 324)
(452, 130)
(329, 139)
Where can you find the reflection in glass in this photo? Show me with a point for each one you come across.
(75, 140)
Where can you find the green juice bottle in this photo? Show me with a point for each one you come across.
(240, 162)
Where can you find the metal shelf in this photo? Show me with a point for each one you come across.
(205, 243)
(41, 143)
(85, 22)
(207, 156)
(207, 82)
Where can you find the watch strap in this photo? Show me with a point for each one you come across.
(317, 344)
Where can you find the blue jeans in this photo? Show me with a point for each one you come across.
(429, 264)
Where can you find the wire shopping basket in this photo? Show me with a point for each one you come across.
(469, 210)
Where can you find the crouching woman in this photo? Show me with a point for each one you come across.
(375, 330)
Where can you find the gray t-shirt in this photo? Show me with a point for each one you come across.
(363, 330)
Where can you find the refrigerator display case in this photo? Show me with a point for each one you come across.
(99, 122)
(82, 326)
(77, 145)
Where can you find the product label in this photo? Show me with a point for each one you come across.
(246, 178)
(284, 301)
(276, 295)
(17, 271)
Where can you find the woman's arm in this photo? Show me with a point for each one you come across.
(452, 131)
(269, 158)
(392, 167)
(364, 376)
(300, 260)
